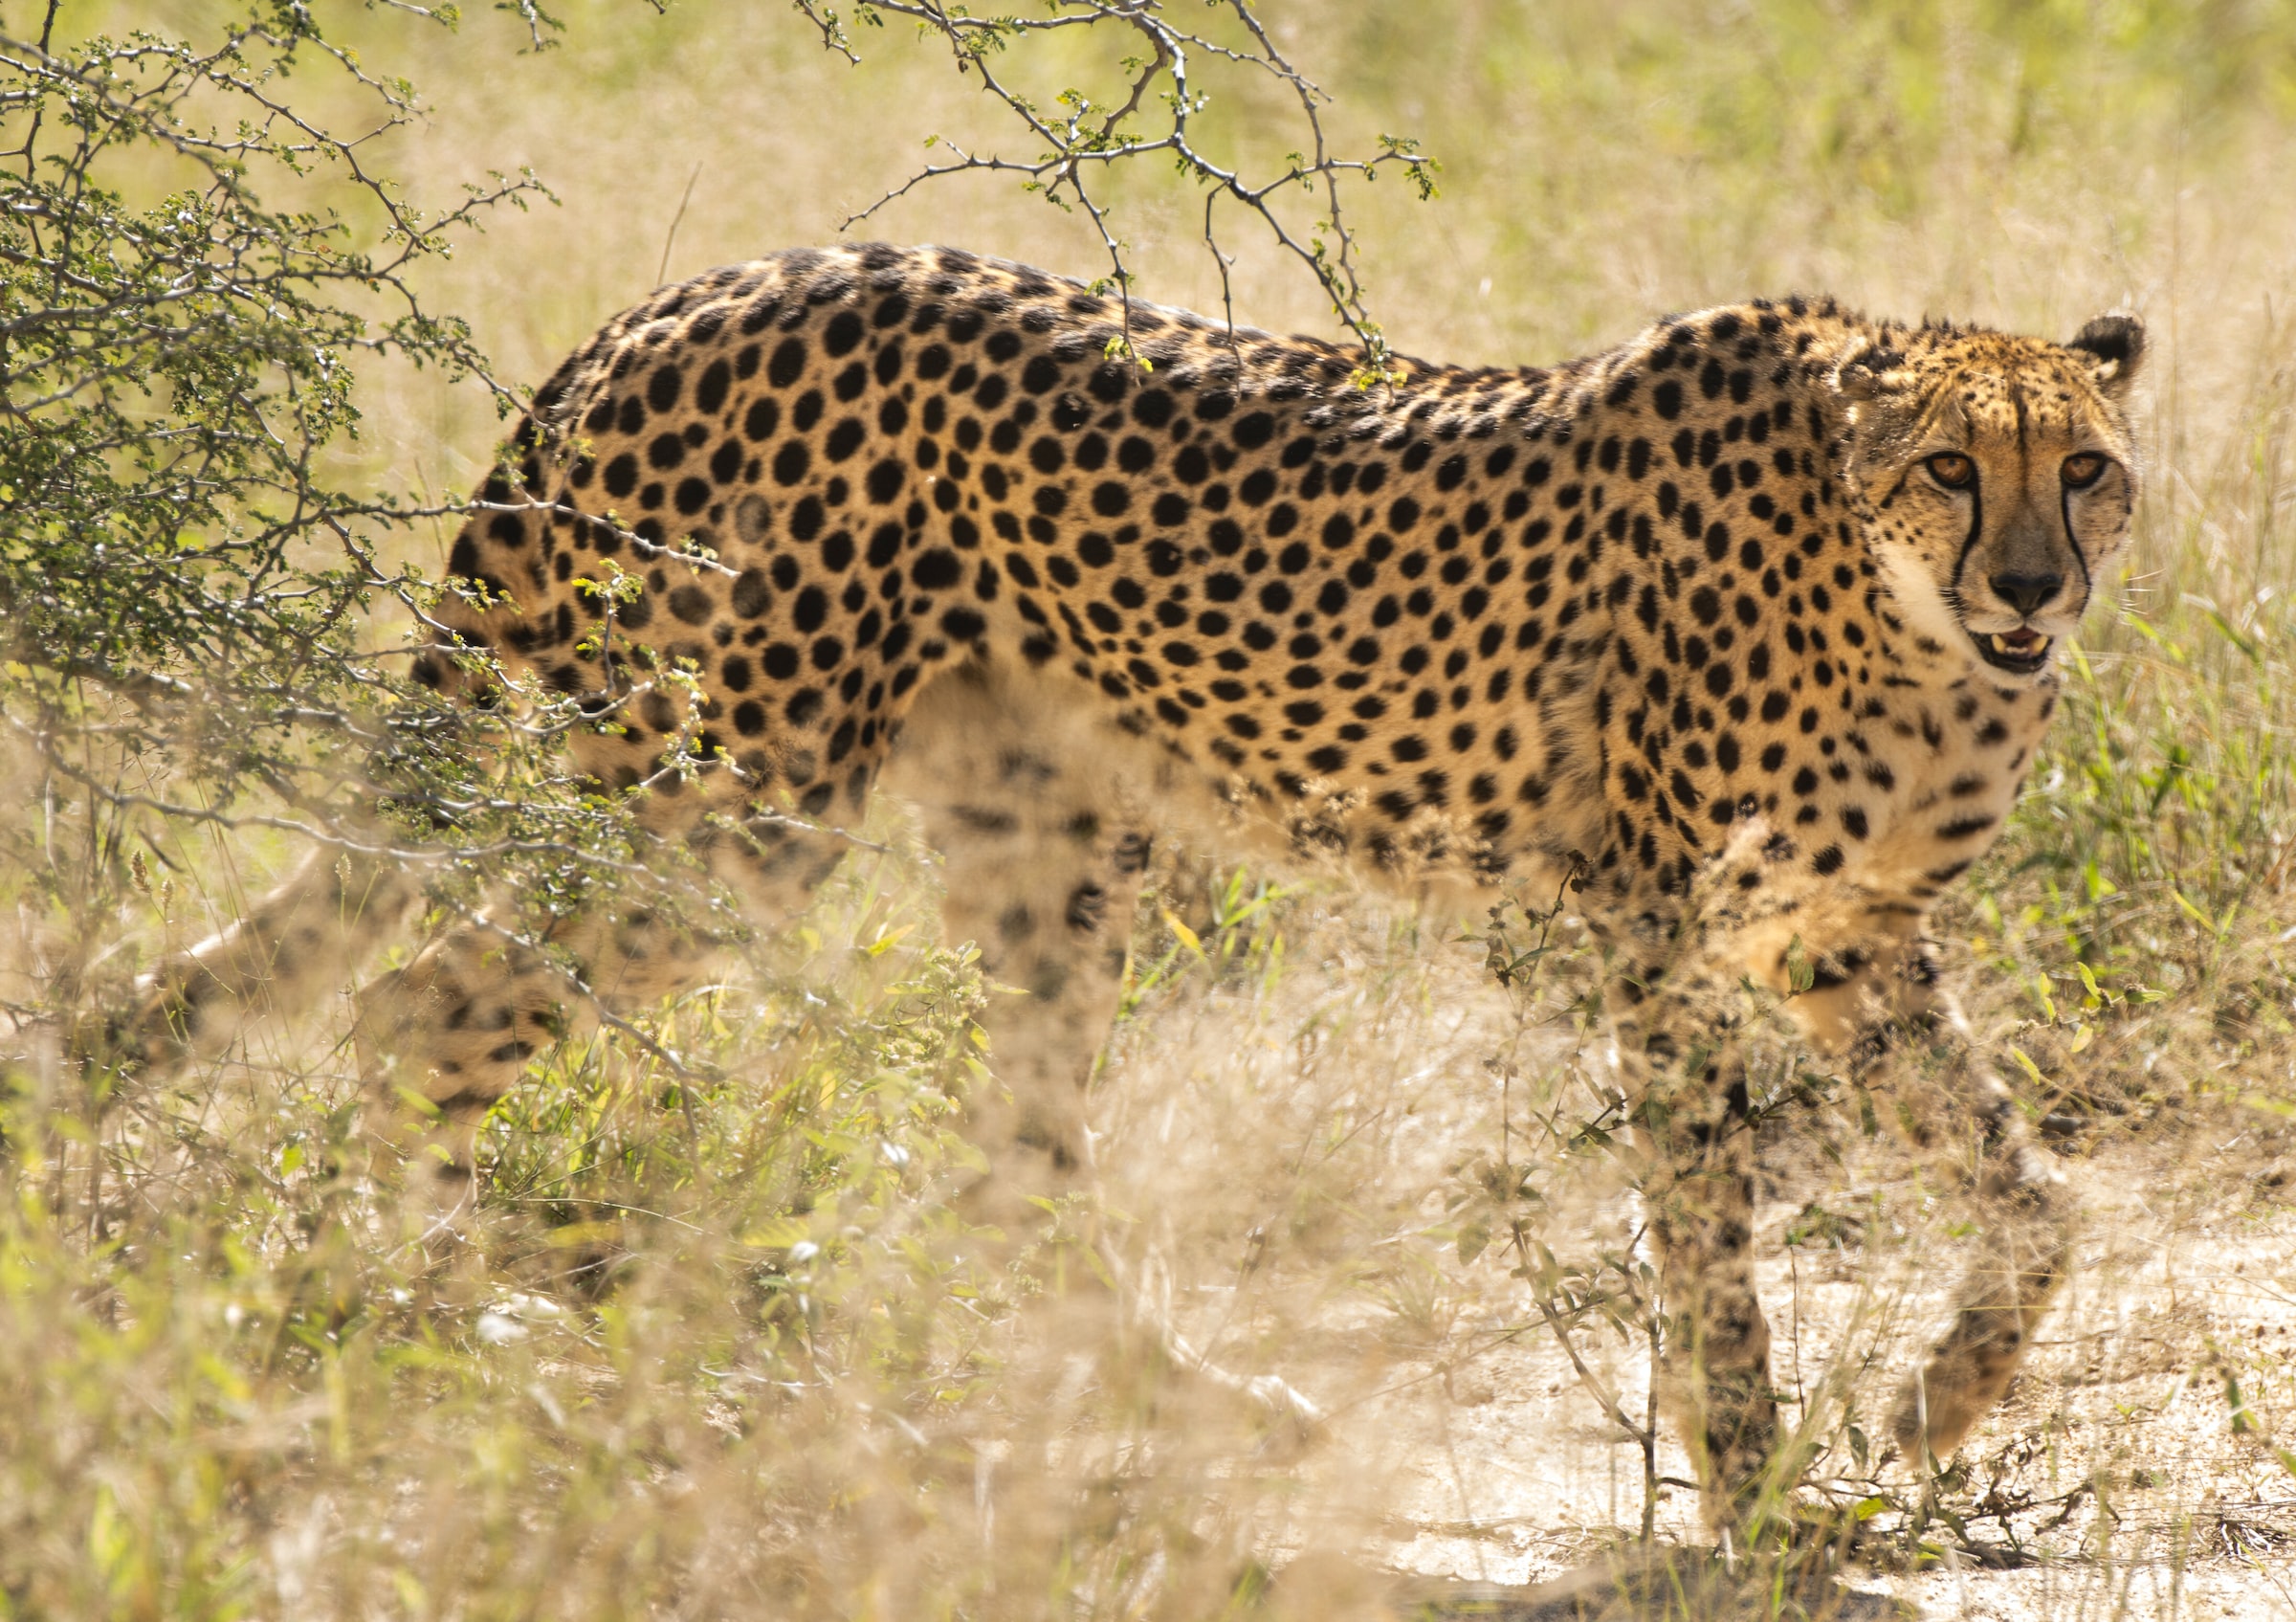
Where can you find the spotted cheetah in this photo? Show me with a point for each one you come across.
(1745, 629)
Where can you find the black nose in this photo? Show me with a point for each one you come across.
(2026, 593)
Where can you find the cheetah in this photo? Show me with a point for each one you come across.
(1745, 630)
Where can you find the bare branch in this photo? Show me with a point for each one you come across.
(1083, 139)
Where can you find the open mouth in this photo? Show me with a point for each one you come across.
(2022, 650)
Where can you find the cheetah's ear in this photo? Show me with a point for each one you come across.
(1870, 372)
(2116, 344)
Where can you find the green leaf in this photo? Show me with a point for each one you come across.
(1800, 973)
(1473, 1239)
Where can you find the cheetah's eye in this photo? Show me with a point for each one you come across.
(1953, 470)
(2081, 472)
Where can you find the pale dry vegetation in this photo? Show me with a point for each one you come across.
(716, 1345)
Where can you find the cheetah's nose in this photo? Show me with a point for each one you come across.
(2026, 593)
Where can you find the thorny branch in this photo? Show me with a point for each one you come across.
(1079, 140)
(185, 584)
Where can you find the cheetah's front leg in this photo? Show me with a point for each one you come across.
(1960, 1109)
(1698, 1190)
(2028, 1225)
(2027, 1219)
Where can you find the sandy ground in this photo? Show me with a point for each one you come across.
(1296, 1149)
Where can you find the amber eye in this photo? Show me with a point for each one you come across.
(1953, 470)
(2081, 472)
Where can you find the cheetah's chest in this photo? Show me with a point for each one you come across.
(1956, 764)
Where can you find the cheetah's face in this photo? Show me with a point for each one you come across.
(1999, 474)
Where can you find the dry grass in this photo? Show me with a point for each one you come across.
(718, 1350)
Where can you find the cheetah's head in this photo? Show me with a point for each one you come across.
(1999, 475)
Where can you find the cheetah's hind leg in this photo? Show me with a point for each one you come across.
(305, 939)
(1032, 805)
